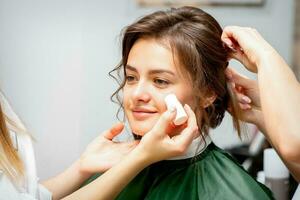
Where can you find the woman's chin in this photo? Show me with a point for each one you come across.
(138, 132)
(141, 131)
(141, 127)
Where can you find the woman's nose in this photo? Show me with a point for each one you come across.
(141, 92)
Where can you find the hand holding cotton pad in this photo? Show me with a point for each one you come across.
(172, 101)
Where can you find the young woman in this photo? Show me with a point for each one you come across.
(18, 178)
(180, 51)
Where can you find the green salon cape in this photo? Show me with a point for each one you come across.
(211, 175)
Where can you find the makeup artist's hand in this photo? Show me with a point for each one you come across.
(247, 93)
(102, 153)
(158, 145)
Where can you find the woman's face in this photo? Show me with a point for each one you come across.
(151, 74)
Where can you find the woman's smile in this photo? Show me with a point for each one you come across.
(141, 113)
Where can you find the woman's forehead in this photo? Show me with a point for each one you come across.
(152, 54)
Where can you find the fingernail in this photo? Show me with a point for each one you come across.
(230, 45)
(228, 42)
(246, 99)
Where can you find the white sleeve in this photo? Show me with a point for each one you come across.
(43, 193)
(8, 191)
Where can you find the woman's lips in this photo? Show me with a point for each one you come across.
(142, 115)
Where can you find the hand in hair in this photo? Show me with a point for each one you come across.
(247, 93)
(247, 46)
(278, 88)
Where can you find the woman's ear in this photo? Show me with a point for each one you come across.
(209, 99)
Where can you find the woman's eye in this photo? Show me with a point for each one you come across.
(161, 82)
(130, 78)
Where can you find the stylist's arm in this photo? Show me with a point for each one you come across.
(278, 88)
(156, 145)
(100, 155)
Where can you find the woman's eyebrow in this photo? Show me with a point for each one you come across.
(151, 72)
(161, 71)
(128, 67)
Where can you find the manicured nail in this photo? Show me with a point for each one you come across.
(246, 99)
(228, 42)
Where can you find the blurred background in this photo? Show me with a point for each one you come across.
(55, 56)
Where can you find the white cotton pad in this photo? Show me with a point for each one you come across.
(181, 116)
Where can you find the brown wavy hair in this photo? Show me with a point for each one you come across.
(195, 39)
